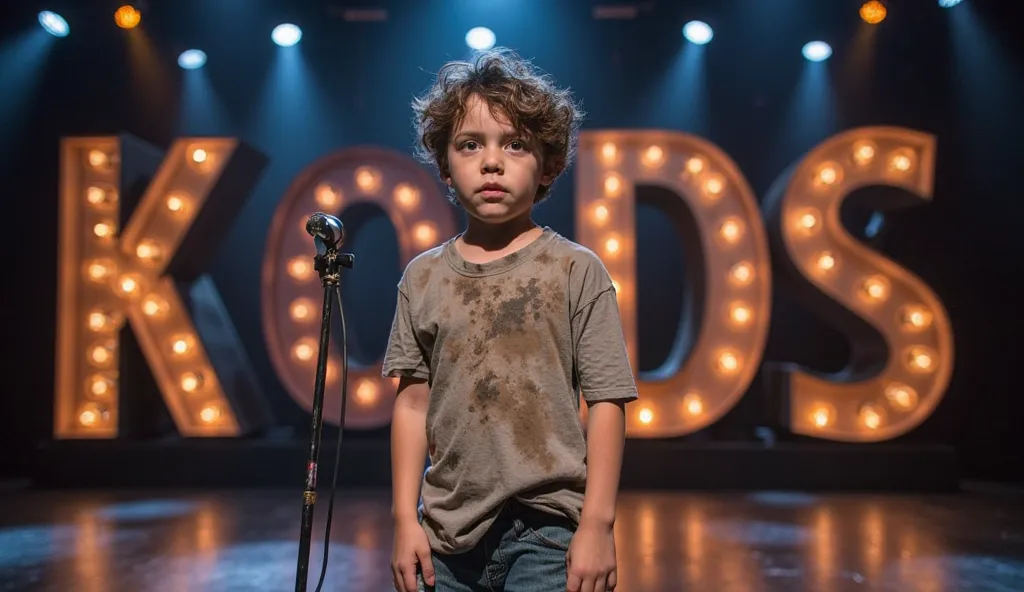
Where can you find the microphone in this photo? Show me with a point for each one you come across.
(328, 229)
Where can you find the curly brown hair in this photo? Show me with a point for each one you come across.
(513, 88)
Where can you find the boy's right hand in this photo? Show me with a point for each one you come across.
(411, 549)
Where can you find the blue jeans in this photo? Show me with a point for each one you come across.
(524, 551)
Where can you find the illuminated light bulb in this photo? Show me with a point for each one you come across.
(127, 17)
(406, 196)
(176, 203)
(693, 404)
(332, 371)
(199, 156)
(100, 386)
(103, 230)
(741, 274)
(646, 415)
(731, 230)
(304, 349)
(695, 165)
(424, 234)
(210, 413)
(740, 314)
(871, 416)
(654, 156)
(92, 415)
(97, 159)
(155, 306)
(828, 174)
(368, 179)
(327, 195)
(100, 270)
(100, 321)
(713, 186)
(920, 359)
(102, 354)
(182, 345)
(821, 416)
(191, 381)
(901, 396)
(612, 185)
(609, 152)
(601, 214)
(728, 362)
(863, 153)
(97, 195)
(807, 221)
(825, 262)
(914, 317)
(367, 392)
(301, 309)
(612, 245)
(902, 160)
(149, 251)
(300, 268)
(129, 285)
(875, 288)
(873, 12)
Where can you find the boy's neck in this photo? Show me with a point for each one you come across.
(498, 237)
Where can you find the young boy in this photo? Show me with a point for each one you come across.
(493, 333)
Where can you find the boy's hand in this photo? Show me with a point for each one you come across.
(411, 548)
(591, 559)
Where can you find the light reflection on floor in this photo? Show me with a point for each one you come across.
(228, 541)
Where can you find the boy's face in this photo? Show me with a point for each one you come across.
(494, 170)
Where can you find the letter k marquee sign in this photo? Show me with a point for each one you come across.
(133, 251)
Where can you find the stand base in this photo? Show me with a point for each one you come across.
(366, 464)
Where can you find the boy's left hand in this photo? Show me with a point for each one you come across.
(590, 560)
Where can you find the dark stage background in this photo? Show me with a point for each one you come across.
(953, 73)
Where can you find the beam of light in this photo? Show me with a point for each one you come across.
(680, 100)
(150, 79)
(200, 111)
(54, 24)
(22, 62)
(286, 35)
(192, 59)
(812, 110)
(698, 32)
(817, 51)
(480, 38)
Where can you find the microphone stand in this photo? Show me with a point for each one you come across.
(328, 264)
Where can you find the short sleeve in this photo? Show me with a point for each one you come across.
(601, 359)
(405, 355)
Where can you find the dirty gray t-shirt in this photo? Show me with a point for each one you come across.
(499, 344)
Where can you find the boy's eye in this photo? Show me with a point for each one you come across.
(517, 145)
(470, 144)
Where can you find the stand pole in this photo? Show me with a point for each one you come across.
(328, 266)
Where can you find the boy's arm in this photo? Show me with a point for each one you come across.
(408, 447)
(606, 434)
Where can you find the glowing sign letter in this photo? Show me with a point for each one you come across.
(862, 403)
(107, 276)
(730, 237)
(292, 293)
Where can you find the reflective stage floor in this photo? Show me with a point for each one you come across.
(247, 540)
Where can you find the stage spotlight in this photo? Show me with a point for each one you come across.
(192, 59)
(873, 12)
(817, 51)
(286, 35)
(480, 38)
(948, 3)
(698, 32)
(127, 17)
(54, 24)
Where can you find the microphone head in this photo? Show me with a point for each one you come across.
(326, 228)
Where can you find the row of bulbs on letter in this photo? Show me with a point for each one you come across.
(369, 181)
(131, 286)
(873, 290)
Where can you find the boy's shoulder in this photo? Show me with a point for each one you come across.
(577, 255)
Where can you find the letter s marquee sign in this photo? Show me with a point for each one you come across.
(107, 276)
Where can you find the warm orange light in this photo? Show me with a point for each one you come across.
(873, 12)
(127, 17)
